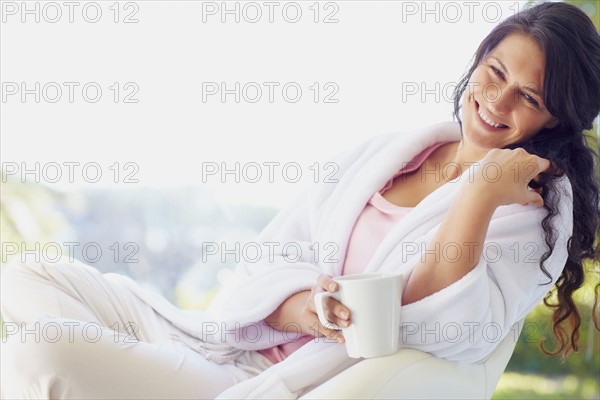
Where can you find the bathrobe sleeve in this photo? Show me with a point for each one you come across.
(288, 264)
(260, 286)
(466, 320)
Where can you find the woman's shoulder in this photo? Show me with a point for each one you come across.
(362, 167)
(419, 139)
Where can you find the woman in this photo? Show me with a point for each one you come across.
(482, 217)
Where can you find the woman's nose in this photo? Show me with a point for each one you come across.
(503, 102)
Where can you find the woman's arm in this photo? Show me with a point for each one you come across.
(462, 233)
(457, 245)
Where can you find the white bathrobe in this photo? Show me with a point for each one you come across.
(462, 322)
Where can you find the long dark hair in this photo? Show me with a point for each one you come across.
(571, 92)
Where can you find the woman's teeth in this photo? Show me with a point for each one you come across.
(488, 120)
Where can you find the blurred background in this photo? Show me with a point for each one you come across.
(377, 66)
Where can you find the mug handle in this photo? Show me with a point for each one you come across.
(319, 298)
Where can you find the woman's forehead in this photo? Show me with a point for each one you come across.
(522, 58)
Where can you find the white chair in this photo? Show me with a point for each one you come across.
(413, 374)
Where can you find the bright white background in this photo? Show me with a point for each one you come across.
(373, 54)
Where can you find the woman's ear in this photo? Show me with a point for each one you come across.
(552, 123)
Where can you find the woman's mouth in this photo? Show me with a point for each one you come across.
(486, 120)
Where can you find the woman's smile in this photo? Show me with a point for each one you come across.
(488, 121)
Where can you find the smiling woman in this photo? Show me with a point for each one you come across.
(503, 105)
(544, 63)
(420, 204)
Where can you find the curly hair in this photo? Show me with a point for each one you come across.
(571, 46)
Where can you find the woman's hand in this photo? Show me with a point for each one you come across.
(504, 176)
(335, 312)
(299, 309)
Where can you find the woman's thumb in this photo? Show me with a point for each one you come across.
(535, 199)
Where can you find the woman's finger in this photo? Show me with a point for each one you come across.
(327, 283)
(534, 198)
(329, 333)
(335, 312)
(322, 280)
(543, 164)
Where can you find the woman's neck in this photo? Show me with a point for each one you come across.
(457, 154)
(464, 154)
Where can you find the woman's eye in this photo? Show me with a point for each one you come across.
(531, 100)
(497, 71)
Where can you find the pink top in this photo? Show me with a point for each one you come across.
(373, 224)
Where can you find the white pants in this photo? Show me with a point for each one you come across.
(72, 332)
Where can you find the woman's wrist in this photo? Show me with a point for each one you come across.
(479, 194)
(288, 313)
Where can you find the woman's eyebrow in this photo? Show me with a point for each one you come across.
(501, 64)
(529, 87)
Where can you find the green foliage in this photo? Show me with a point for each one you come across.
(538, 327)
(532, 386)
(528, 356)
(27, 214)
(532, 374)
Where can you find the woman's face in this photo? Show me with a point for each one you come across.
(503, 102)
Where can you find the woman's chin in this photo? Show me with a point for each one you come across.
(476, 138)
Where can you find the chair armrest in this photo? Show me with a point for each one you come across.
(409, 374)
(413, 374)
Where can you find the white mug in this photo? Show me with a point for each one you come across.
(374, 303)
